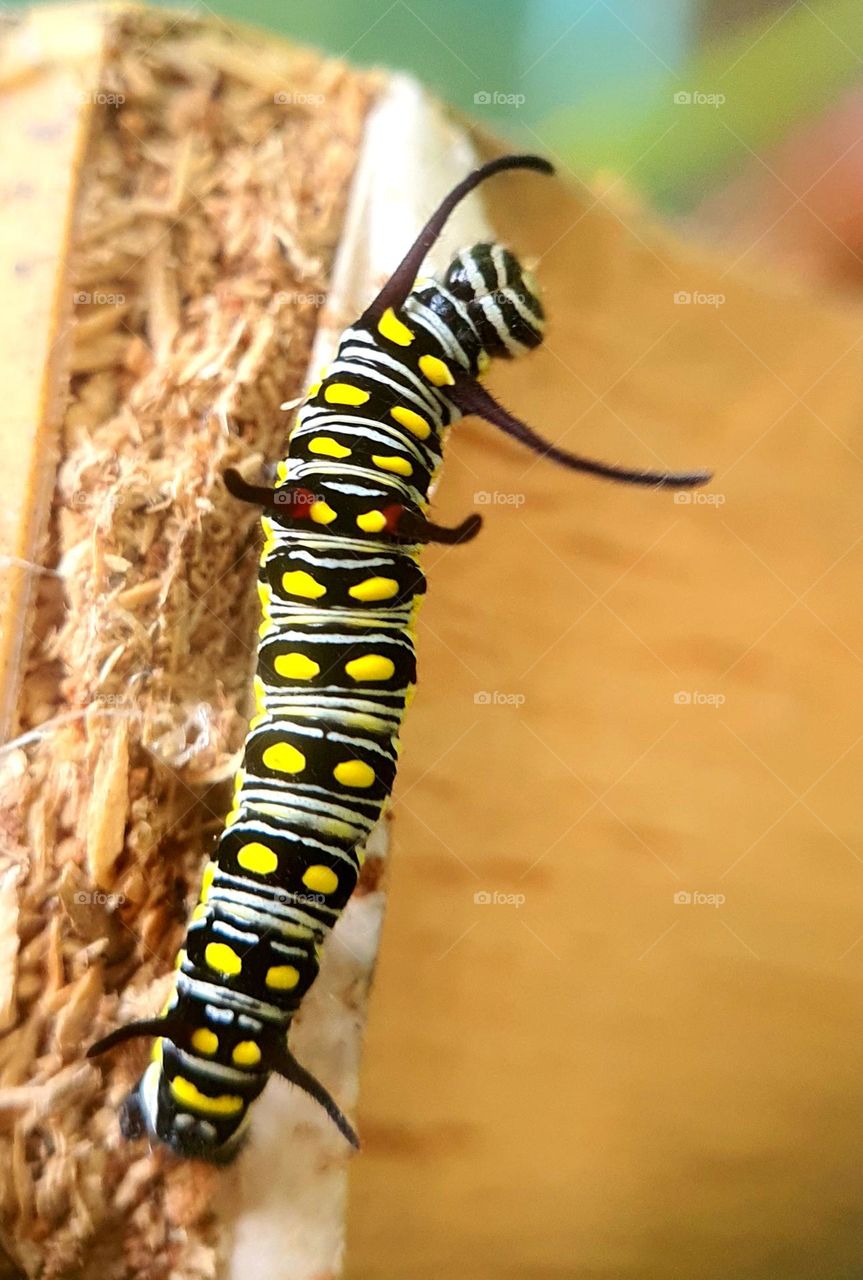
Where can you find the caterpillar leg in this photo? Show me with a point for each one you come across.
(471, 397)
(401, 522)
(148, 1027)
(279, 1059)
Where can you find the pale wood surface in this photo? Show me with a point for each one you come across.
(602, 1083)
(47, 75)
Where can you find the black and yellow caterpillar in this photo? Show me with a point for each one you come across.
(340, 583)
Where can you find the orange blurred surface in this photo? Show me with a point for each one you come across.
(605, 1081)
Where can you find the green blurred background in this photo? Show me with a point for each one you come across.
(593, 82)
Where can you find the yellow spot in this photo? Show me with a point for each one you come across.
(373, 666)
(246, 1054)
(322, 513)
(436, 371)
(372, 521)
(199, 913)
(205, 1041)
(296, 666)
(389, 326)
(223, 959)
(281, 471)
(157, 1050)
(313, 390)
(483, 360)
(178, 964)
(328, 447)
(300, 583)
(354, 773)
(344, 393)
(283, 977)
(260, 691)
(258, 858)
(189, 1095)
(284, 758)
(207, 880)
(374, 589)
(416, 425)
(265, 595)
(320, 879)
(399, 466)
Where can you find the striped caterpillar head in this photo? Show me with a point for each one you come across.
(500, 296)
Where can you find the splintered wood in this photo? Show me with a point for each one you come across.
(210, 204)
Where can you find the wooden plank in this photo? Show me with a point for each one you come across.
(50, 66)
(603, 1081)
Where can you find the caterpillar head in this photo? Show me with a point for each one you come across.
(500, 296)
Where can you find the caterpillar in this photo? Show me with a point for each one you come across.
(340, 583)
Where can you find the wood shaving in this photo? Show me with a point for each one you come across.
(211, 203)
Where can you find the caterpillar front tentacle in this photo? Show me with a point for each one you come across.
(473, 398)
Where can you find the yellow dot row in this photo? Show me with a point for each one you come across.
(244, 1054)
(283, 757)
(299, 583)
(299, 666)
(262, 861)
(327, 447)
(224, 960)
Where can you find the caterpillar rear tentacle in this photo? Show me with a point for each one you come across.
(339, 584)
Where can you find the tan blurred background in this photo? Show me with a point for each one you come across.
(607, 1080)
